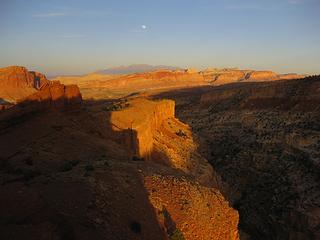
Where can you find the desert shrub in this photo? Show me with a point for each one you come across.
(67, 166)
(102, 157)
(136, 158)
(135, 227)
(177, 235)
(180, 133)
(89, 168)
(30, 174)
(74, 162)
(116, 106)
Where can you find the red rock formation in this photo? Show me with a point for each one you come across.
(290, 76)
(135, 125)
(107, 86)
(228, 77)
(55, 94)
(262, 76)
(16, 77)
(17, 82)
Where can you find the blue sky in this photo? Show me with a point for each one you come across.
(78, 36)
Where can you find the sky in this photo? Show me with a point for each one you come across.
(81, 36)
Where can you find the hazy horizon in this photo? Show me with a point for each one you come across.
(77, 37)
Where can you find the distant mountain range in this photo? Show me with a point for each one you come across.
(136, 68)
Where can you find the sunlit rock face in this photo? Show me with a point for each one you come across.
(263, 76)
(55, 94)
(194, 211)
(142, 118)
(149, 130)
(17, 82)
(102, 86)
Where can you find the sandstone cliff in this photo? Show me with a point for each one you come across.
(101, 86)
(262, 76)
(17, 82)
(141, 119)
(54, 94)
(150, 131)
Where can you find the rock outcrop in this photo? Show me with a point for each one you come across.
(17, 82)
(134, 126)
(262, 76)
(54, 94)
(32, 90)
(228, 77)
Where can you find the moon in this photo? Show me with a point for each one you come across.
(143, 26)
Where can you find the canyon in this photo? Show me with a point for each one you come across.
(115, 169)
(263, 142)
(166, 154)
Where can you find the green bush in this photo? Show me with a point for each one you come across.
(67, 166)
(89, 168)
(177, 235)
(136, 158)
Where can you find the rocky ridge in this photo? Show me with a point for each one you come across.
(101, 86)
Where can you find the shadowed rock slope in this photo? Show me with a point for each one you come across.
(263, 141)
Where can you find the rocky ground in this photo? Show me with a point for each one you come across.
(263, 142)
